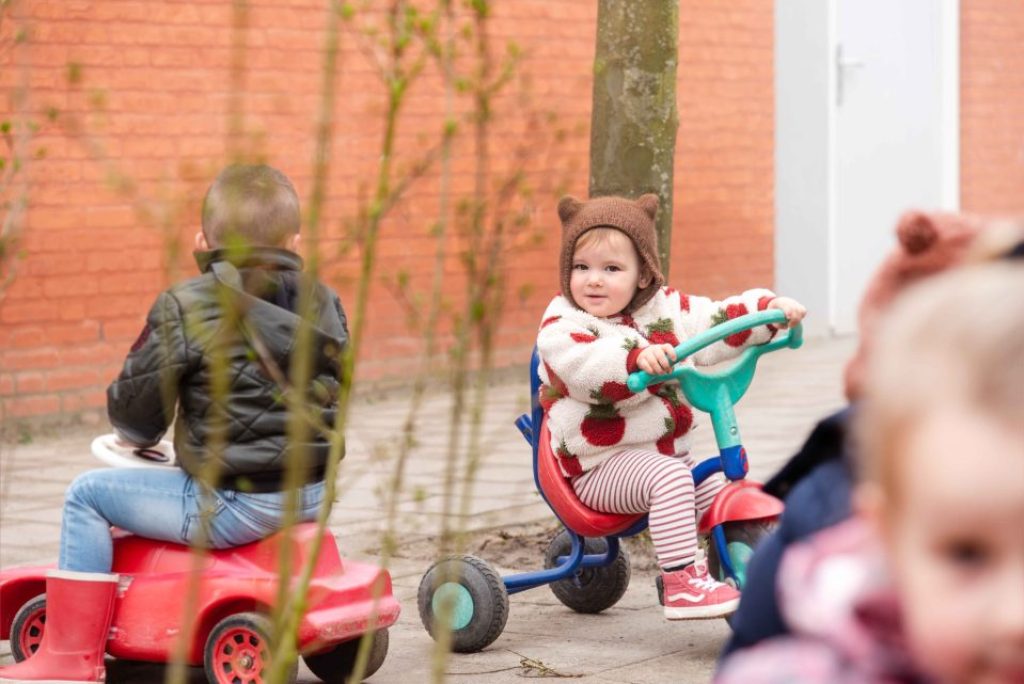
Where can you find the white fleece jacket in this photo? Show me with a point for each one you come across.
(586, 359)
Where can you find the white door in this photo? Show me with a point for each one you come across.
(896, 118)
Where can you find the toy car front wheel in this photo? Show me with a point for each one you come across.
(741, 537)
(238, 650)
(463, 596)
(589, 590)
(336, 665)
(27, 628)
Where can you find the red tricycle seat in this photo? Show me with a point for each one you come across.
(563, 500)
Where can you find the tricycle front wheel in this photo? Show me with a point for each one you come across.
(741, 538)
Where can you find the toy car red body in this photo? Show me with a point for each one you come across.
(228, 631)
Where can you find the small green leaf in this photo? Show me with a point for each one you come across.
(477, 312)
(74, 73)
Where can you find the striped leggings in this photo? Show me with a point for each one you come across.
(648, 482)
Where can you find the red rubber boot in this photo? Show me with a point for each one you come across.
(79, 608)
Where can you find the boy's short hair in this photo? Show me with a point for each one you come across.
(255, 202)
(956, 340)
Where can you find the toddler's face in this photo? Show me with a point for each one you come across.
(956, 539)
(605, 274)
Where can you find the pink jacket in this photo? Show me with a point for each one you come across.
(845, 619)
(585, 361)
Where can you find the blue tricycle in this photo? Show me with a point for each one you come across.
(464, 596)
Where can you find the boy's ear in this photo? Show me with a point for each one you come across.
(292, 243)
(645, 279)
(568, 207)
(200, 243)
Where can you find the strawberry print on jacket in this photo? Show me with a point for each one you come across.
(586, 360)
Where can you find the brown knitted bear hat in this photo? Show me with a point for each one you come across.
(634, 218)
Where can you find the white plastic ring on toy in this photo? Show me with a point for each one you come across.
(107, 449)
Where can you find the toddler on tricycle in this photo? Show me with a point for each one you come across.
(614, 379)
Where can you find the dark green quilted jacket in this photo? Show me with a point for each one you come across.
(239, 315)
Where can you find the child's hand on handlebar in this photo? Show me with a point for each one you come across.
(794, 310)
(657, 359)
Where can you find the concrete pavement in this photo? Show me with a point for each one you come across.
(627, 643)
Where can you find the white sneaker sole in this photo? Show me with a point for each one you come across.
(702, 612)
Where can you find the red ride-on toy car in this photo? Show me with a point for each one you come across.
(229, 630)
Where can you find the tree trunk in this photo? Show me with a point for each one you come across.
(634, 119)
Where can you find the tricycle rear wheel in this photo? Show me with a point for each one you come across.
(27, 628)
(336, 665)
(468, 594)
(589, 590)
(238, 650)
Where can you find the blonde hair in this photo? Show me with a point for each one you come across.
(602, 235)
(254, 202)
(956, 339)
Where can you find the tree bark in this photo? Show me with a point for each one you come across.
(634, 119)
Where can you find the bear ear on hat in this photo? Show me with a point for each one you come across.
(568, 207)
(649, 203)
(916, 231)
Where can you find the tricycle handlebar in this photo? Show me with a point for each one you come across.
(792, 338)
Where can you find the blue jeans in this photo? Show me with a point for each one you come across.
(164, 504)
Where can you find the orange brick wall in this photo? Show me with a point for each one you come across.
(152, 105)
(992, 106)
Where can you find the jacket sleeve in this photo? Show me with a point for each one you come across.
(584, 359)
(342, 318)
(141, 401)
(698, 314)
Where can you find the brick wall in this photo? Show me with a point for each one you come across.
(142, 90)
(992, 106)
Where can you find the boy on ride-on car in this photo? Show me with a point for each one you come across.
(628, 452)
(214, 350)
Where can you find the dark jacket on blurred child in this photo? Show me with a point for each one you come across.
(243, 312)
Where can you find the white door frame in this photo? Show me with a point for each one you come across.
(805, 148)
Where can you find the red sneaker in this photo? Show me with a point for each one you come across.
(692, 594)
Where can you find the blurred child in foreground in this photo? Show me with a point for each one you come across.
(926, 582)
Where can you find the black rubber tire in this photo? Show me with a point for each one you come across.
(335, 666)
(488, 604)
(748, 532)
(24, 615)
(255, 629)
(590, 590)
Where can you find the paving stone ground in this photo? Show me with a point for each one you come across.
(629, 643)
